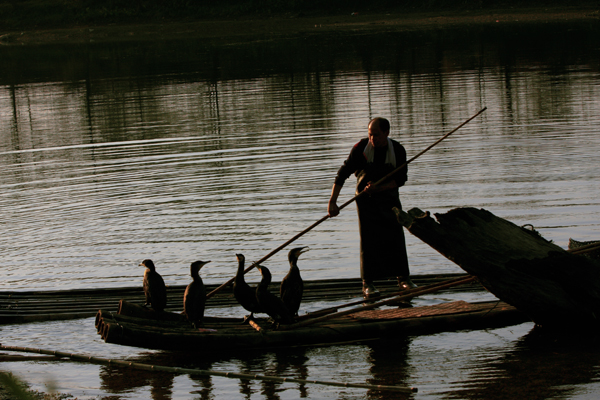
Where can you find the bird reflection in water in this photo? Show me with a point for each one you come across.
(289, 363)
(123, 380)
(281, 363)
(204, 382)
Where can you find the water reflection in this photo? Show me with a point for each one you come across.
(290, 363)
(380, 363)
(285, 363)
(205, 386)
(389, 366)
(121, 381)
(493, 364)
(117, 380)
(541, 365)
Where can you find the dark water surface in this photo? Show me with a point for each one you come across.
(200, 149)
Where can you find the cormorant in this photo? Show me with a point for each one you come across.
(292, 286)
(270, 303)
(242, 292)
(154, 287)
(194, 298)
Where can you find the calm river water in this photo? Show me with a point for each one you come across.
(199, 149)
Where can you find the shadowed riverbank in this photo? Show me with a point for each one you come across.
(40, 22)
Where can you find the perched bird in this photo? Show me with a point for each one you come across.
(194, 298)
(154, 287)
(242, 292)
(292, 286)
(270, 303)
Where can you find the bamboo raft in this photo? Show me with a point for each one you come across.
(36, 306)
(136, 326)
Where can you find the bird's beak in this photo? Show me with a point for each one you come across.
(304, 250)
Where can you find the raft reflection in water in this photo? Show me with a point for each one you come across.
(297, 363)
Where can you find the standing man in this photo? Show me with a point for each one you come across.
(382, 245)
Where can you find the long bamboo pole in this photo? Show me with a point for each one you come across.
(377, 304)
(177, 370)
(385, 178)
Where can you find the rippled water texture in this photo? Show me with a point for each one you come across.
(197, 149)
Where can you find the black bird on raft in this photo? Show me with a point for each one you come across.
(194, 298)
(270, 303)
(292, 285)
(154, 287)
(243, 293)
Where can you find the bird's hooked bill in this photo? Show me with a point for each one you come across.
(304, 250)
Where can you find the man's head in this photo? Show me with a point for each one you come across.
(379, 130)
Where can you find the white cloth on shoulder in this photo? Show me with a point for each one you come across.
(390, 156)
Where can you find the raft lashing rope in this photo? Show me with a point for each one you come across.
(188, 371)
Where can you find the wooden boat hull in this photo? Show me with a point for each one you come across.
(558, 289)
(170, 331)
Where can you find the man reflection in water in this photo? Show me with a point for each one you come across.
(382, 245)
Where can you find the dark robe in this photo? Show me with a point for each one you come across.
(382, 245)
